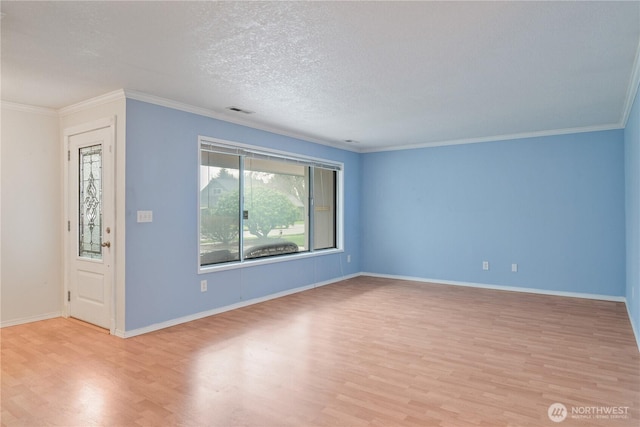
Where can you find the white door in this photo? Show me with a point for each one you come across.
(90, 210)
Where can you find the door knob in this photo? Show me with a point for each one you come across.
(106, 245)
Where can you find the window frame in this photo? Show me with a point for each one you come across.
(236, 148)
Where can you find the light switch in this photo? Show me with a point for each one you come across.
(145, 216)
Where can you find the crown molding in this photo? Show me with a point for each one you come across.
(14, 106)
(116, 95)
(496, 138)
(634, 82)
(187, 108)
(122, 94)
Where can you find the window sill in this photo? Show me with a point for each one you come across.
(267, 260)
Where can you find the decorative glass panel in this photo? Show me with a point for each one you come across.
(90, 202)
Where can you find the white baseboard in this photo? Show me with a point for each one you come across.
(29, 319)
(502, 288)
(633, 328)
(240, 304)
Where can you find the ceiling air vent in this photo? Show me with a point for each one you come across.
(239, 110)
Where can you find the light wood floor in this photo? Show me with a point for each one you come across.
(363, 352)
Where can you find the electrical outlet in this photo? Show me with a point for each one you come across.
(514, 268)
(145, 216)
(203, 286)
(349, 259)
(485, 265)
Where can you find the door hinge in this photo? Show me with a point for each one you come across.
(68, 155)
(68, 225)
(68, 296)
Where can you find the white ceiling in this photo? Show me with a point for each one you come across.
(386, 74)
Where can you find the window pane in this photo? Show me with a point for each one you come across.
(256, 204)
(90, 202)
(219, 208)
(324, 214)
(276, 208)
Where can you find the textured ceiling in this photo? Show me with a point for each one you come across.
(386, 74)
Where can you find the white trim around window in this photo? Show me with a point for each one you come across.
(232, 165)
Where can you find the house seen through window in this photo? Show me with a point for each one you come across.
(258, 204)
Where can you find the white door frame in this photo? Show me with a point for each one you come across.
(109, 122)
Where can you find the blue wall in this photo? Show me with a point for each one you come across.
(161, 257)
(553, 205)
(632, 189)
